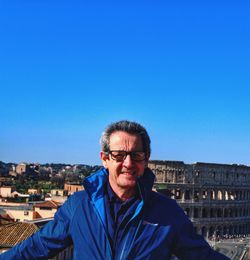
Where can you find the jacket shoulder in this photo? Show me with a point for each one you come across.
(162, 199)
(72, 203)
(166, 209)
(77, 197)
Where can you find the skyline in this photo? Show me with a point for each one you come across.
(67, 70)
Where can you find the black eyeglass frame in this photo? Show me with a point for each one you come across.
(132, 155)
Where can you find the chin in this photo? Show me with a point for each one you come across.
(128, 184)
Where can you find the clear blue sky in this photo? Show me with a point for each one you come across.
(69, 68)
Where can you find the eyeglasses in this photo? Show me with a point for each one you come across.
(120, 156)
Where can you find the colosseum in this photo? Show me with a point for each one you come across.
(216, 197)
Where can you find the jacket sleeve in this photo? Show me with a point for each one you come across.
(48, 241)
(193, 246)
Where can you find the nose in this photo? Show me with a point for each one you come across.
(128, 162)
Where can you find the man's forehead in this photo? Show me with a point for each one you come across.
(121, 137)
(124, 135)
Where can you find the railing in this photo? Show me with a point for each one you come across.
(222, 219)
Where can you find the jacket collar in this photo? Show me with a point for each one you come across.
(145, 183)
(95, 183)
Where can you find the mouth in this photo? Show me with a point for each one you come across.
(128, 173)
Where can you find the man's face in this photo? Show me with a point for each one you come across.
(123, 174)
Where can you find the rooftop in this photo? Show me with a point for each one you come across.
(12, 234)
(48, 204)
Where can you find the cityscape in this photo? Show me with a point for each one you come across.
(214, 196)
(68, 69)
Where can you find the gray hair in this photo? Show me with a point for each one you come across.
(128, 127)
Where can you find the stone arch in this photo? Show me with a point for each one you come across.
(226, 195)
(212, 195)
(196, 195)
(159, 175)
(240, 195)
(230, 212)
(239, 212)
(196, 212)
(236, 212)
(219, 212)
(204, 213)
(212, 213)
(219, 196)
(177, 194)
(204, 194)
(187, 195)
(173, 194)
(231, 195)
(225, 213)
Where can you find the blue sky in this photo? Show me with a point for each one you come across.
(69, 68)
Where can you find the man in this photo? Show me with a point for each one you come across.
(118, 216)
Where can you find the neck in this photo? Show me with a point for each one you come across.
(122, 193)
(123, 196)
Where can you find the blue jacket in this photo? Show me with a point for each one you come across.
(158, 228)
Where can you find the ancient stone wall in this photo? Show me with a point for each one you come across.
(216, 197)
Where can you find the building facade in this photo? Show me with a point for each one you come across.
(47, 209)
(72, 188)
(216, 197)
(22, 168)
(6, 191)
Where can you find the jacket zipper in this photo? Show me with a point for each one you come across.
(125, 243)
(106, 235)
(133, 217)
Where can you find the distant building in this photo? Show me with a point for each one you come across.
(71, 188)
(12, 173)
(59, 192)
(22, 168)
(6, 191)
(34, 191)
(4, 181)
(21, 213)
(31, 211)
(47, 209)
(59, 195)
(216, 197)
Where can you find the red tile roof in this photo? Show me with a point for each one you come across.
(36, 215)
(6, 217)
(12, 234)
(48, 204)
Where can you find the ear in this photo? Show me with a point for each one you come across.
(104, 158)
